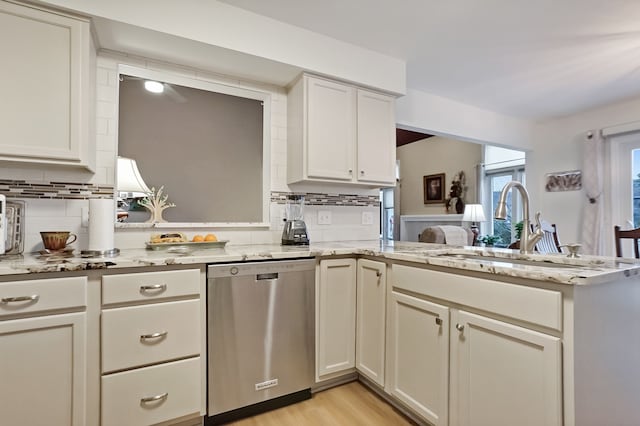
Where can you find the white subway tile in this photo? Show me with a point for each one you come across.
(44, 208)
(105, 61)
(73, 208)
(102, 126)
(105, 109)
(105, 142)
(106, 93)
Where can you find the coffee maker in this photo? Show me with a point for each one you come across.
(295, 230)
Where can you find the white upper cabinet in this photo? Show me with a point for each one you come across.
(376, 138)
(331, 132)
(45, 87)
(339, 133)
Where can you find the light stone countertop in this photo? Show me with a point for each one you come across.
(557, 268)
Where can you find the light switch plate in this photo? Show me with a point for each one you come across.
(367, 218)
(324, 217)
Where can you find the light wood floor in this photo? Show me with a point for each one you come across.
(350, 404)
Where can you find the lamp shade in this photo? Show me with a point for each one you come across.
(129, 178)
(473, 213)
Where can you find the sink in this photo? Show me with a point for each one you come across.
(511, 261)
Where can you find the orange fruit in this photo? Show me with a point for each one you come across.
(198, 238)
(210, 237)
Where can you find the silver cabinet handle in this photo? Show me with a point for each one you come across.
(159, 287)
(438, 321)
(154, 398)
(459, 327)
(378, 274)
(350, 171)
(153, 335)
(32, 298)
(362, 172)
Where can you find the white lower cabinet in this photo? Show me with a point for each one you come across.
(150, 395)
(502, 374)
(152, 344)
(418, 356)
(371, 319)
(43, 358)
(453, 366)
(335, 318)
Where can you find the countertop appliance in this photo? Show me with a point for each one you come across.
(260, 336)
(295, 230)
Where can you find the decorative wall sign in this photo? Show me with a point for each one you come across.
(564, 181)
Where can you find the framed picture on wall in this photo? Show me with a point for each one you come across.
(434, 189)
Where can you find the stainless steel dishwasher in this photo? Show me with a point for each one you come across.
(261, 336)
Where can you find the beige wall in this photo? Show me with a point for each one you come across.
(432, 156)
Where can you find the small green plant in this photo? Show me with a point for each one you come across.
(489, 240)
(518, 226)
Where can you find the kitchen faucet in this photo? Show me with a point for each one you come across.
(528, 239)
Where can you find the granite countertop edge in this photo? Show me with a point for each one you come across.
(556, 268)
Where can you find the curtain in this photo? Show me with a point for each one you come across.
(593, 184)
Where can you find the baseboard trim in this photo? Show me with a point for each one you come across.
(336, 381)
(374, 387)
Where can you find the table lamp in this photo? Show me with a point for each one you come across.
(474, 213)
(129, 182)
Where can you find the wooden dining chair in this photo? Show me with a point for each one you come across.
(633, 234)
(549, 242)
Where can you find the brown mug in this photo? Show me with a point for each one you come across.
(57, 240)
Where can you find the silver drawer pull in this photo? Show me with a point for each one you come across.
(153, 335)
(155, 287)
(438, 321)
(154, 398)
(32, 298)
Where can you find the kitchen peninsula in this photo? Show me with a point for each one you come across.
(447, 334)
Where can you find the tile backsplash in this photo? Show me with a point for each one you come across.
(65, 213)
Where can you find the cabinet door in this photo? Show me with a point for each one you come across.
(43, 370)
(418, 356)
(336, 316)
(370, 311)
(45, 75)
(331, 130)
(376, 138)
(502, 374)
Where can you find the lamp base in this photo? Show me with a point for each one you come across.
(475, 231)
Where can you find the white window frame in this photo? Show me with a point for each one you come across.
(517, 174)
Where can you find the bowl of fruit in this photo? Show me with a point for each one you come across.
(175, 239)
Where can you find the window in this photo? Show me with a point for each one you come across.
(626, 181)
(495, 181)
(501, 167)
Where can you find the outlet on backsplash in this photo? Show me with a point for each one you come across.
(367, 218)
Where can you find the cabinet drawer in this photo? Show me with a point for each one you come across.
(149, 285)
(530, 304)
(33, 296)
(127, 398)
(142, 335)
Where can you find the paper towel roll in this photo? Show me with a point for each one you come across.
(101, 224)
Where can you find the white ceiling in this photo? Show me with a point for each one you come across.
(530, 59)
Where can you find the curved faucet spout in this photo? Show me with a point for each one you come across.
(528, 239)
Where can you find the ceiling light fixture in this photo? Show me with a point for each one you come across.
(154, 86)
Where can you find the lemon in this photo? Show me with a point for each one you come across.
(198, 238)
(210, 237)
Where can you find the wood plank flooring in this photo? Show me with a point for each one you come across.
(349, 404)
